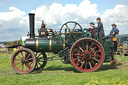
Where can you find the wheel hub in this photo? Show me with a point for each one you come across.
(86, 55)
(71, 33)
(23, 61)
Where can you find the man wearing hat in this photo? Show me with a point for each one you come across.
(113, 32)
(43, 30)
(100, 30)
(94, 31)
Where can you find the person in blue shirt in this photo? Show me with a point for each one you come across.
(113, 32)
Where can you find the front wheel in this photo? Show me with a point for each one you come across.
(23, 61)
(86, 55)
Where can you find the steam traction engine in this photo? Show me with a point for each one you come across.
(73, 45)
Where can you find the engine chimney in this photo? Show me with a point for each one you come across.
(32, 25)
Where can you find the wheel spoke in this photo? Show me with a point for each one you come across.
(96, 51)
(64, 33)
(87, 46)
(74, 27)
(20, 66)
(80, 61)
(17, 63)
(91, 46)
(68, 38)
(68, 27)
(77, 51)
(92, 49)
(83, 46)
(95, 59)
(82, 64)
(30, 59)
(86, 64)
(38, 55)
(28, 56)
(93, 62)
(77, 58)
(19, 56)
(77, 32)
(39, 63)
(28, 65)
(18, 59)
(90, 65)
(74, 37)
(22, 55)
(40, 58)
(78, 54)
(81, 49)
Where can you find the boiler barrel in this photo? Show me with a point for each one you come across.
(49, 45)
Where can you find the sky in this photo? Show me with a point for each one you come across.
(14, 15)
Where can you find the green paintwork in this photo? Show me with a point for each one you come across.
(71, 32)
(108, 43)
(45, 45)
(23, 43)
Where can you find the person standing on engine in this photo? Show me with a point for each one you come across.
(43, 30)
(100, 30)
(94, 31)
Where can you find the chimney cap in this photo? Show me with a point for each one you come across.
(31, 13)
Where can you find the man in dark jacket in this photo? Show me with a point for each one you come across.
(100, 31)
(94, 31)
(113, 32)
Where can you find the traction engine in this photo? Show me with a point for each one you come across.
(72, 44)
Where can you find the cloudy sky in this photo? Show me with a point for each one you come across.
(14, 15)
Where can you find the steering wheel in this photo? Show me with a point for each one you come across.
(71, 31)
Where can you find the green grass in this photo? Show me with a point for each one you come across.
(57, 73)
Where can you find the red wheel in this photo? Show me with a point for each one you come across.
(23, 61)
(86, 55)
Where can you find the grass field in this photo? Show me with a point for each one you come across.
(57, 73)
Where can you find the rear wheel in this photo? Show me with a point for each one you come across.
(86, 55)
(23, 61)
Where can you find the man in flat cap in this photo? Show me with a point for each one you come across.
(113, 32)
(94, 31)
(100, 30)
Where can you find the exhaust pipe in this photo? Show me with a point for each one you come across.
(32, 25)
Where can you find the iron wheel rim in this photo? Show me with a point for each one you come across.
(78, 55)
(23, 63)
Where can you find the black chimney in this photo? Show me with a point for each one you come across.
(32, 25)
